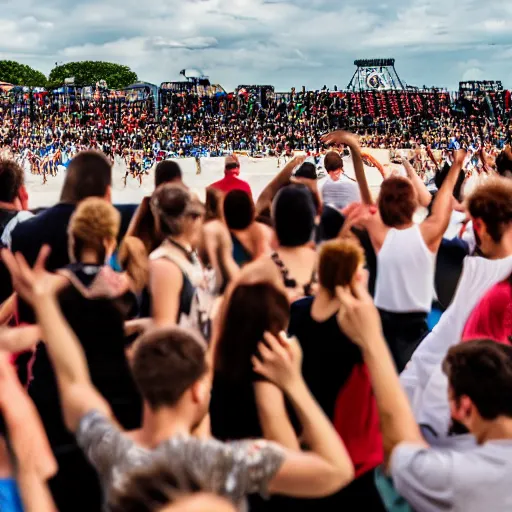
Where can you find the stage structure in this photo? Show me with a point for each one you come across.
(376, 75)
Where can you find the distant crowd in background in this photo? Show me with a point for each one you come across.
(48, 129)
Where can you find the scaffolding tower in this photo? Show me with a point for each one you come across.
(376, 75)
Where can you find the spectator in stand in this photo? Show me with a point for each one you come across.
(231, 181)
(338, 191)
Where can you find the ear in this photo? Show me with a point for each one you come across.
(199, 390)
(23, 197)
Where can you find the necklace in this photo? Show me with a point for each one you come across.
(190, 255)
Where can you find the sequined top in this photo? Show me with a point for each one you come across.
(233, 470)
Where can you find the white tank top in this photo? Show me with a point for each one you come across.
(405, 272)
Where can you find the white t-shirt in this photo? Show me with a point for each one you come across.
(340, 193)
(423, 378)
(434, 480)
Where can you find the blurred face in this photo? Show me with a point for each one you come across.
(193, 228)
(483, 241)
(335, 175)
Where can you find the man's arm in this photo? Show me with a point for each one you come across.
(281, 180)
(38, 287)
(437, 223)
(351, 140)
(360, 320)
(424, 196)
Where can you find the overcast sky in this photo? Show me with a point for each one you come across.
(285, 44)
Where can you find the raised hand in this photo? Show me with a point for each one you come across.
(358, 317)
(341, 137)
(31, 283)
(279, 361)
(459, 156)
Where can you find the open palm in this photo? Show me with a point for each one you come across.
(31, 283)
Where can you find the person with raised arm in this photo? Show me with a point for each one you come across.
(432, 479)
(406, 255)
(170, 368)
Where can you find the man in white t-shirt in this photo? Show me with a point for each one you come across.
(338, 191)
(480, 385)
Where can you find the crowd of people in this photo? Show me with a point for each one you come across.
(46, 130)
(313, 348)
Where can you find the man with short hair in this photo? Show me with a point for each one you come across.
(170, 368)
(89, 174)
(231, 181)
(338, 191)
(490, 210)
(479, 378)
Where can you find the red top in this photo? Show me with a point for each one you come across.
(356, 419)
(231, 182)
(492, 317)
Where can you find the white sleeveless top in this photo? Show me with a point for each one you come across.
(405, 272)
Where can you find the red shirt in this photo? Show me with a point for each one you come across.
(231, 182)
(492, 317)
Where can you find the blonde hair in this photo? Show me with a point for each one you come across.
(94, 221)
(339, 261)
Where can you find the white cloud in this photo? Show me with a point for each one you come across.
(286, 43)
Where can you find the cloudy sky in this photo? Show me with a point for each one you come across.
(294, 43)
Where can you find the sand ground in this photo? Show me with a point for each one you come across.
(257, 172)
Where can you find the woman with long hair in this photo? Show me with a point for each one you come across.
(175, 271)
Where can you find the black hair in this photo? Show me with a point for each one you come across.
(441, 176)
(167, 171)
(238, 210)
(294, 215)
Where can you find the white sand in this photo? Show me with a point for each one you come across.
(257, 172)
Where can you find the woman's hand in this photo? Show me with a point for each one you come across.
(279, 361)
(358, 317)
(31, 283)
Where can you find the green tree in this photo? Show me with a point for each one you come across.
(21, 74)
(91, 72)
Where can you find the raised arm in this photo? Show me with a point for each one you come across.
(34, 461)
(265, 199)
(360, 320)
(424, 196)
(351, 140)
(437, 223)
(38, 287)
(327, 467)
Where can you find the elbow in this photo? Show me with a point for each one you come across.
(335, 480)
